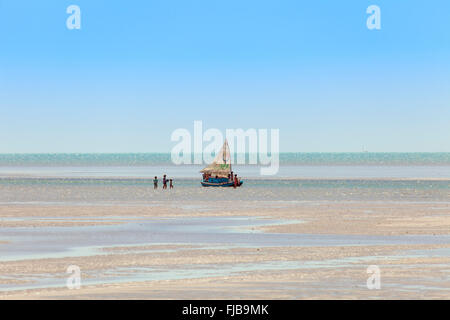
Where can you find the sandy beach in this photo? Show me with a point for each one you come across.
(263, 250)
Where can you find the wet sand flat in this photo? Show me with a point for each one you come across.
(272, 249)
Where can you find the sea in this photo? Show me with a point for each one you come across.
(128, 178)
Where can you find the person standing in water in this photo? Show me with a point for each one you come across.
(155, 183)
(164, 182)
(171, 184)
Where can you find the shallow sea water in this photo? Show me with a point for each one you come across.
(128, 190)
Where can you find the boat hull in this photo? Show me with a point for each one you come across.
(220, 184)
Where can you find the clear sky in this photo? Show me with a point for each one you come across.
(137, 70)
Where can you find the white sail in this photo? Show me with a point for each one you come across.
(221, 165)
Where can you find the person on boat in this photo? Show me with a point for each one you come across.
(171, 184)
(155, 183)
(164, 182)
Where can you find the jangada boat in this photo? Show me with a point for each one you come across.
(218, 173)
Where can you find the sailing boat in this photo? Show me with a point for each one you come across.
(218, 173)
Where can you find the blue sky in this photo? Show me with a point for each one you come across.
(137, 70)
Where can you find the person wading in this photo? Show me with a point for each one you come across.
(164, 182)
